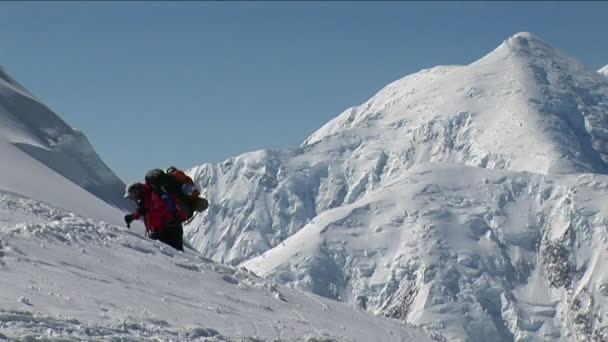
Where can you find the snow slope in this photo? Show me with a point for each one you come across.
(42, 157)
(65, 277)
(604, 70)
(498, 238)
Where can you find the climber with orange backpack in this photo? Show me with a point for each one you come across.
(165, 201)
(159, 210)
(176, 182)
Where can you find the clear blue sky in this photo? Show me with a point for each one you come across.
(159, 83)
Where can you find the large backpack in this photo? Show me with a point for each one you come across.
(162, 182)
(195, 203)
(169, 189)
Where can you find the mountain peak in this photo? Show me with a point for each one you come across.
(524, 87)
(525, 44)
(526, 37)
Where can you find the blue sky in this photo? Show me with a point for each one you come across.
(159, 83)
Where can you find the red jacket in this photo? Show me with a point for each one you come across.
(159, 210)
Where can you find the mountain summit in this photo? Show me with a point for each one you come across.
(467, 199)
(524, 98)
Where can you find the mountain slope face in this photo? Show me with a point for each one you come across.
(469, 253)
(44, 158)
(69, 278)
(522, 256)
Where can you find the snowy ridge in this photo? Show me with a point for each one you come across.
(63, 276)
(34, 138)
(8, 82)
(604, 70)
(357, 214)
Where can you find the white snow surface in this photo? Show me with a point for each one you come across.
(467, 199)
(66, 277)
(604, 70)
(44, 158)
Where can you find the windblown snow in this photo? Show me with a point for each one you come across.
(465, 199)
(44, 158)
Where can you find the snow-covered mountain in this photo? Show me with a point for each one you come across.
(43, 158)
(69, 278)
(468, 199)
(524, 107)
(604, 70)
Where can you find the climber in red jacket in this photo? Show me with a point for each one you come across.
(162, 214)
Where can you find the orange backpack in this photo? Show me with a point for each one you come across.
(182, 178)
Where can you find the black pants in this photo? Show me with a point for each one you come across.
(172, 235)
